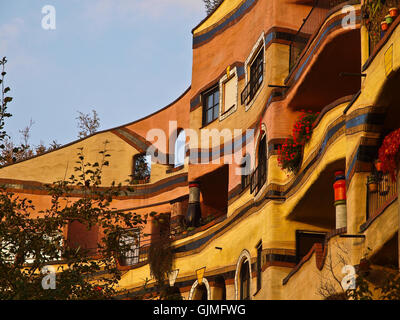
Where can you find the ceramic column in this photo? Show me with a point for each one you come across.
(193, 215)
(340, 199)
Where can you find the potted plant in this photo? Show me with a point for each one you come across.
(394, 12)
(384, 26)
(389, 19)
(378, 165)
(372, 183)
(389, 153)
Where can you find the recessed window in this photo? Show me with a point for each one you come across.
(259, 263)
(245, 171)
(245, 281)
(141, 168)
(210, 105)
(305, 241)
(180, 149)
(256, 78)
(259, 176)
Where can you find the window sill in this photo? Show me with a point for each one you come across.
(258, 290)
(227, 113)
(207, 124)
(250, 104)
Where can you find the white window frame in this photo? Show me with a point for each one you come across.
(223, 114)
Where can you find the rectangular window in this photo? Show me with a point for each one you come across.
(210, 105)
(259, 265)
(230, 94)
(130, 244)
(305, 241)
(256, 78)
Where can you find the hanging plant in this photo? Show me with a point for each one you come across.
(291, 152)
(303, 127)
(388, 153)
(289, 155)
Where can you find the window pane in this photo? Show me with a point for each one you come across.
(216, 97)
(210, 101)
(209, 115)
(216, 112)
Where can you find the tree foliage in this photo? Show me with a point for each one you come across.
(87, 123)
(211, 5)
(32, 239)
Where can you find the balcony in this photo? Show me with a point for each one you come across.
(322, 53)
(381, 192)
(373, 19)
(311, 24)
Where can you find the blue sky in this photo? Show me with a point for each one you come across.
(123, 58)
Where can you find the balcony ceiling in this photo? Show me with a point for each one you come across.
(322, 83)
(317, 206)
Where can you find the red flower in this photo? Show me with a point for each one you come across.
(388, 153)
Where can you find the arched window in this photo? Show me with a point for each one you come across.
(180, 149)
(245, 170)
(262, 153)
(200, 293)
(245, 281)
(259, 176)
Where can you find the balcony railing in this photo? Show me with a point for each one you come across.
(311, 23)
(136, 255)
(258, 178)
(373, 21)
(381, 191)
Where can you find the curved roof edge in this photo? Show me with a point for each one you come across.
(103, 131)
(207, 17)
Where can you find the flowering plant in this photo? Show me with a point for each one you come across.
(388, 153)
(290, 154)
(302, 128)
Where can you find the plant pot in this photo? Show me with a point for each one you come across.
(373, 187)
(389, 19)
(384, 25)
(378, 165)
(393, 12)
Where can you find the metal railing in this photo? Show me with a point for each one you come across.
(258, 178)
(381, 190)
(311, 23)
(137, 254)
